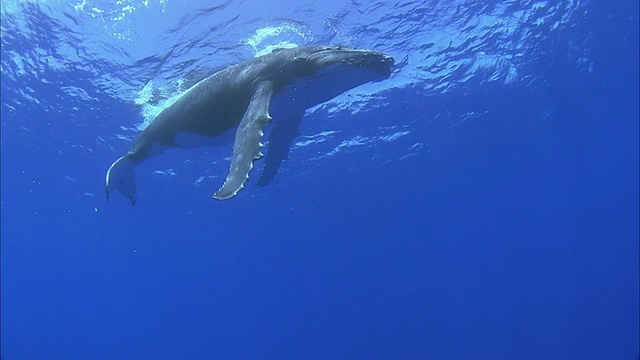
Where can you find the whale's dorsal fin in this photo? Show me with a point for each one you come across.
(247, 144)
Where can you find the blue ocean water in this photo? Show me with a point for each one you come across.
(481, 203)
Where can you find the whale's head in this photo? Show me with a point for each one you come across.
(351, 62)
(315, 74)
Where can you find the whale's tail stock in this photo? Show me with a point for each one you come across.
(121, 176)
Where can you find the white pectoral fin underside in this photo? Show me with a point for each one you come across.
(247, 146)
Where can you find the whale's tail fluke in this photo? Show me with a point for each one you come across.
(121, 176)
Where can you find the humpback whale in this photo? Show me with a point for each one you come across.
(285, 82)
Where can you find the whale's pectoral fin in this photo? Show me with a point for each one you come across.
(247, 145)
(122, 177)
(283, 133)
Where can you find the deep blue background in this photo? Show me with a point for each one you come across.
(512, 233)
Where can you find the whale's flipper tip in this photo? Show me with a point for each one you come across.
(128, 187)
(122, 177)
